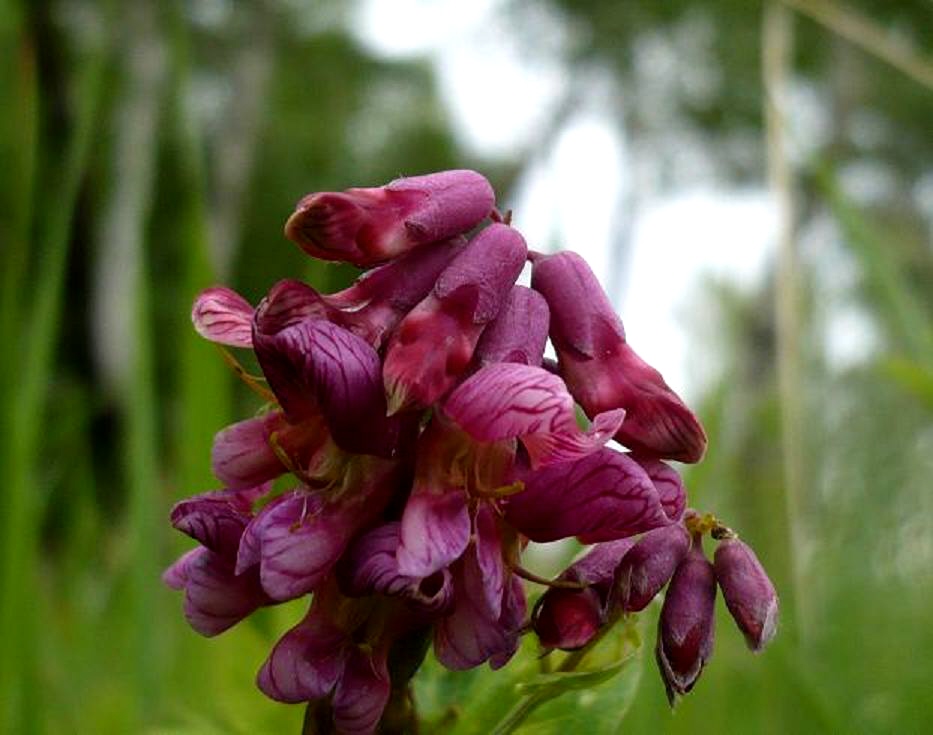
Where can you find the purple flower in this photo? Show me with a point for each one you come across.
(686, 626)
(749, 594)
(489, 603)
(216, 598)
(650, 565)
(366, 226)
(469, 450)
(331, 654)
(370, 308)
(434, 344)
(603, 372)
(250, 452)
(297, 539)
(370, 566)
(316, 367)
(604, 496)
(569, 619)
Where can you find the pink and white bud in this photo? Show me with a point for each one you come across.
(601, 369)
(434, 344)
(367, 226)
(686, 626)
(749, 593)
(650, 565)
(221, 315)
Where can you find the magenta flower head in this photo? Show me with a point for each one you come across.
(603, 372)
(686, 626)
(650, 565)
(367, 226)
(434, 344)
(570, 618)
(748, 592)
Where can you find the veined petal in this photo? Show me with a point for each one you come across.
(315, 365)
(511, 620)
(215, 597)
(290, 302)
(362, 692)
(217, 519)
(221, 315)
(602, 497)
(371, 565)
(435, 531)
(243, 454)
(483, 566)
(468, 636)
(297, 539)
(669, 484)
(506, 401)
(307, 662)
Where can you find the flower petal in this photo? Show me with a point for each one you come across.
(507, 401)
(371, 565)
(215, 597)
(483, 566)
(468, 636)
(221, 315)
(288, 303)
(298, 539)
(434, 344)
(217, 519)
(435, 531)
(366, 226)
(650, 565)
(362, 692)
(669, 485)
(307, 662)
(315, 365)
(518, 334)
(243, 454)
(602, 497)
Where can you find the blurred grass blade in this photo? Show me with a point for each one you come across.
(902, 309)
(125, 333)
(204, 382)
(22, 499)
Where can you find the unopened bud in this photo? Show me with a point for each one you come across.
(748, 592)
(686, 626)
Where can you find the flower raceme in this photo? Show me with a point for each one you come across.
(413, 443)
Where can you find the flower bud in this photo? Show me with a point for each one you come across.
(518, 334)
(603, 372)
(686, 626)
(650, 565)
(434, 344)
(748, 592)
(367, 226)
(569, 619)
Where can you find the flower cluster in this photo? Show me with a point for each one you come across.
(416, 440)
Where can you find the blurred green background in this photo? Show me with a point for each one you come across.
(150, 149)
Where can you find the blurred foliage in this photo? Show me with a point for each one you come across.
(253, 104)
